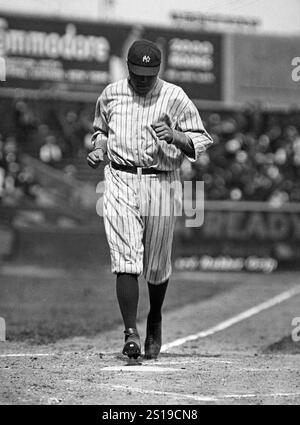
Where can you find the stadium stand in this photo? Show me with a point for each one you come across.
(255, 156)
(16, 181)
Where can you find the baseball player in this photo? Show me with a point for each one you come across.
(146, 126)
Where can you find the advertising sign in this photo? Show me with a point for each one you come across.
(192, 60)
(73, 56)
(249, 238)
(51, 54)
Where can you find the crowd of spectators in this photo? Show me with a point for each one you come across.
(17, 181)
(255, 155)
(50, 132)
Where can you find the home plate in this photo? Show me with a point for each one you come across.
(139, 369)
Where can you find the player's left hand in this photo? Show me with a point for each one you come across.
(163, 131)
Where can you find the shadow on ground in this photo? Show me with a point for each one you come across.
(285, 346)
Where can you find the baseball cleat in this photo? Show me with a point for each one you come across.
(132, 347)
(153, 340)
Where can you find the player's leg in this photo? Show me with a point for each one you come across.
(158, 238)
(153, 339)
(124, 230)
(156, 299)
(157, 270)
(164, 200)
(123, 225)
(127, 288)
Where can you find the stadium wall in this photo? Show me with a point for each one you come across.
(235, 236)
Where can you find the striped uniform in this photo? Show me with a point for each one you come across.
(139, 214)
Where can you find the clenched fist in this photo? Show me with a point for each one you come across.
(95, 157)
(163, 131)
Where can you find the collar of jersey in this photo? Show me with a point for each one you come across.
(156, 87)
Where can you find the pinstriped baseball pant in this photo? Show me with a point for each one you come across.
(139, 217)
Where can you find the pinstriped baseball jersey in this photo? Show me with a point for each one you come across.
(139, 214)
(123, 121)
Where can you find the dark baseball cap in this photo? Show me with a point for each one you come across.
(144, 58)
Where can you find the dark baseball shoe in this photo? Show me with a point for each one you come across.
(153, 340)
(132, 347)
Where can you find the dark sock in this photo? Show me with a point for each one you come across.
(128, 296)
(156, 298)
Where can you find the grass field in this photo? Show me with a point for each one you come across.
(64, 338)
(42, 305)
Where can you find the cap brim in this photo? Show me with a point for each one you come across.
(143, 70)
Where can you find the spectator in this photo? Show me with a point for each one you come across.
(71, 129)
(50, 152)
(25, 123)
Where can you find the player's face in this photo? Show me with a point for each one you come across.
(142, 84)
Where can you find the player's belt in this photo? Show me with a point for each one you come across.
(136, 170)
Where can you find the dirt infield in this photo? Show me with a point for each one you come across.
(249, 360)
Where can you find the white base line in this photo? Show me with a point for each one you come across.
(203, 397)
(221, 326)
(236, 319)
(33, 354)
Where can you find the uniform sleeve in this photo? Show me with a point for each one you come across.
(100, 135)
(190, 123)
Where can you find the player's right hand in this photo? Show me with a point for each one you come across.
(95, 157)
